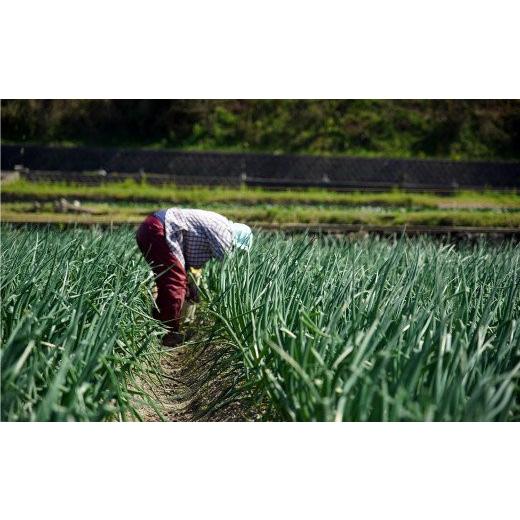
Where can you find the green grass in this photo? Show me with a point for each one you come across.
(198, 195)
(278, 215)
(374, 330)
(76, 339)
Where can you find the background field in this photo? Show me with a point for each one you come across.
(129, 202)
(159, 172)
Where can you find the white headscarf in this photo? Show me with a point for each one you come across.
(242, 236)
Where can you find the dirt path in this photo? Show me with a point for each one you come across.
(193, 385)
(173, 395)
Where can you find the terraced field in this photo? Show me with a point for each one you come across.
(128, 202)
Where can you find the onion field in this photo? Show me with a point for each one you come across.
(324, 329)
(75, 333)
(375, 330)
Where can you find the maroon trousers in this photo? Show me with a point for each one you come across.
(170, 275)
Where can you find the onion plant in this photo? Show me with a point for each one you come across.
(76, 339)
(374, 330)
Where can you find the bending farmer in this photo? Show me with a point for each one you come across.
(175, 240)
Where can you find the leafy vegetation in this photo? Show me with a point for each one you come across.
(374, 330)
(76, 339)
(456, 129)
(326, 329)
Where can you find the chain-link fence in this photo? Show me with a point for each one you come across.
(95, 165)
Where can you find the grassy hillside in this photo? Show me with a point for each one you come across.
(456, 129)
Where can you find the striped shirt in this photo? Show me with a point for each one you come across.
(195, 235)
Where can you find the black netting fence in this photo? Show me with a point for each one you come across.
(104, 164)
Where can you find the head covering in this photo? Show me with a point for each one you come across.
(242, 236)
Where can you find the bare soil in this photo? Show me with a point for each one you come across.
(195, 387)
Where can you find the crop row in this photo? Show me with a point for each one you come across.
(76, 339)
(379, 330)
